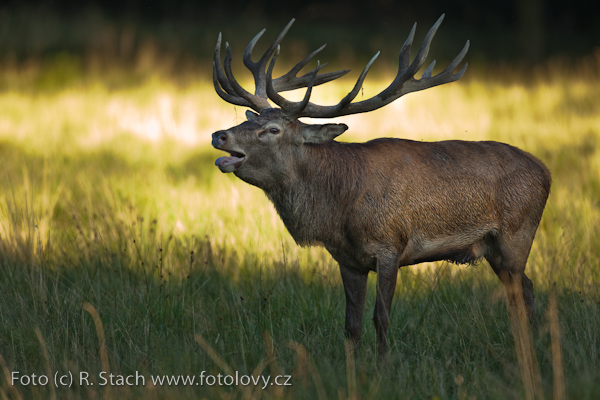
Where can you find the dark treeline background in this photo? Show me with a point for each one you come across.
(523, 31)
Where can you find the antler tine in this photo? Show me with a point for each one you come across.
(218, 74)
(271, 92)
(350, 96)
(275, 45)
(290, 81)
(429, 70)
(247, 57)
(404, 57)
(302, 105)
(302, 81)
(458, 60)
(228, 97)
(296, 68)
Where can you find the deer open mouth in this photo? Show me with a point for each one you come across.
(231, 163)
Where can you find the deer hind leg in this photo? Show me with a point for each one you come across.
(508, 260)
(519, 290)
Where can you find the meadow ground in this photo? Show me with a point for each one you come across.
(124, 249)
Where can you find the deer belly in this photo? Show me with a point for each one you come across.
(460, 249)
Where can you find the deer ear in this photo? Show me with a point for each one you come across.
(250, 115)
(322, 133)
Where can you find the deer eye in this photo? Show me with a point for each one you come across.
(274, 130)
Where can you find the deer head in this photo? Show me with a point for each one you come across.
(264, 149)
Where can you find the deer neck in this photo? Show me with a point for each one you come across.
(313, 201)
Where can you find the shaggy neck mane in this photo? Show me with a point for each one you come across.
(314, 201)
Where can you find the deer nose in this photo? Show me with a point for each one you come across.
(219, 138)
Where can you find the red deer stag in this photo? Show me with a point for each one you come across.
(386, 203)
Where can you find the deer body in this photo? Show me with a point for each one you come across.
(386, 203)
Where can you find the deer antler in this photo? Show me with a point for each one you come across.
(404, 82)
(267, 88)
(232, 92)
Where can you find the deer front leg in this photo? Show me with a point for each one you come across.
(387, 274)
(355, 286)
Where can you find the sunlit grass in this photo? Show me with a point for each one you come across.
(110, 197)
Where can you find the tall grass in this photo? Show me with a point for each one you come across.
(122, 247)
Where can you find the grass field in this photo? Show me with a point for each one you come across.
(124, 249)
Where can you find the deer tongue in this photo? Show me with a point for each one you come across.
(229, 163)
